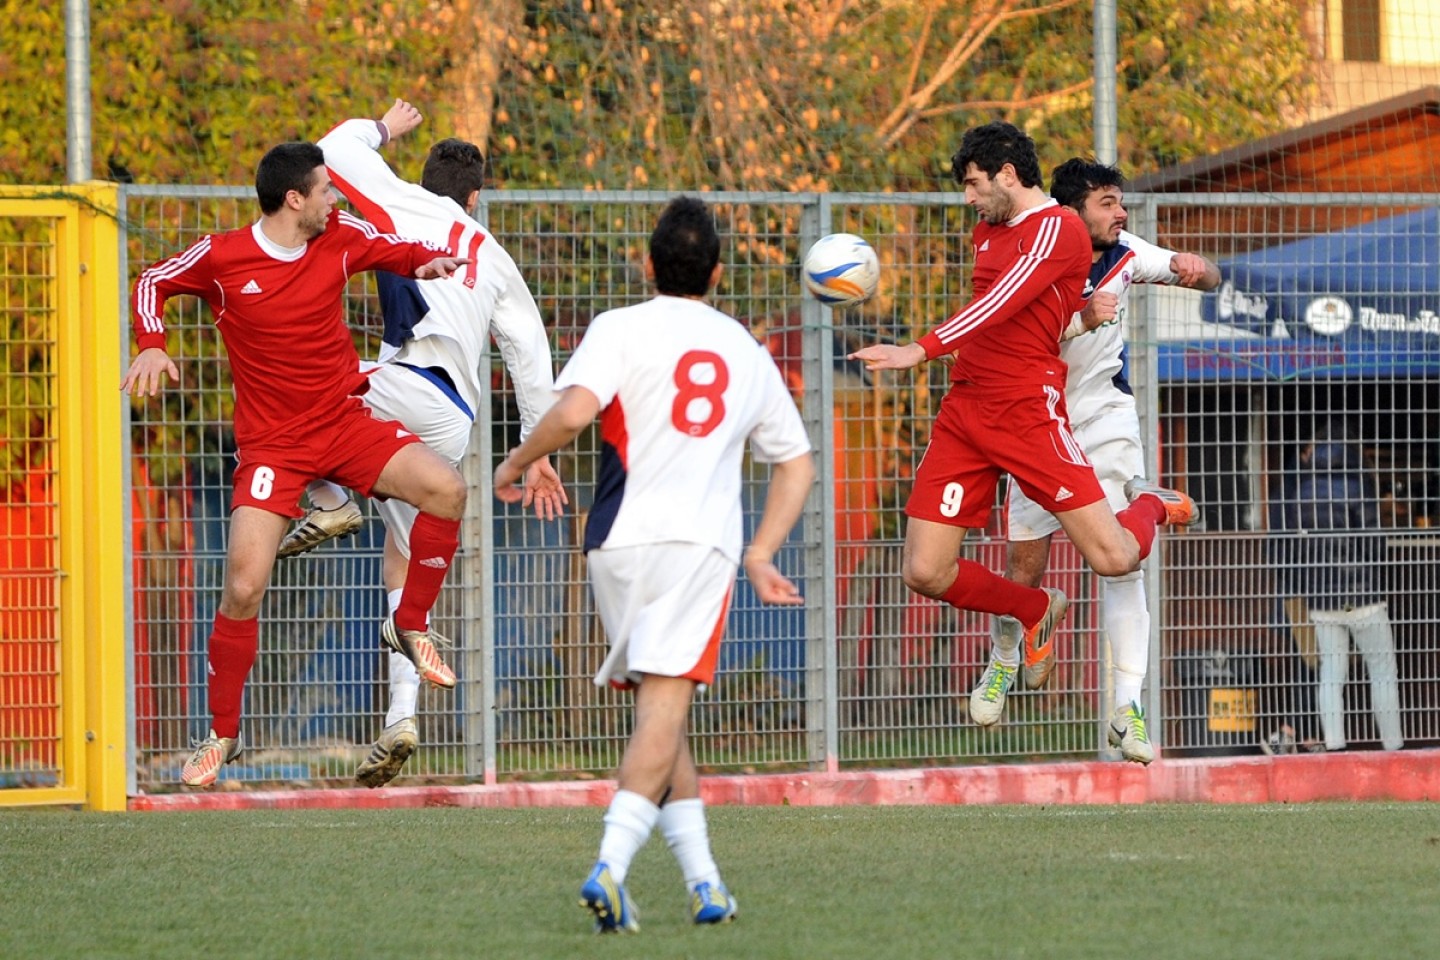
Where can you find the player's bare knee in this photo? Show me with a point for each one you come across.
(452, 496)
(445, 495)
(241, 597)
(1114, 561)
(927, 581)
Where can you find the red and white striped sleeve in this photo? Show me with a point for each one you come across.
(1027, 278)
(188, 272)
(367, 248)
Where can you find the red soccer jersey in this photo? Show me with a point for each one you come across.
(1027, 281)
(280, 313)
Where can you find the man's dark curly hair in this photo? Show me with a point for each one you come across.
(992, 146)
(684, 248)
(1075, 179)
(454, 169)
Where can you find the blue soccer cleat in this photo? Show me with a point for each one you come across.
(712, 903)
(609, 902)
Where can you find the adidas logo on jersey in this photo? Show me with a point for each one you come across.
(251, 287)
(1062, 495)
(434, 563)
(983, 247)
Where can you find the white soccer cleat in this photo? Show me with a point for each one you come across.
(388, 755)
(987, 700)
(212, 753)
(321, 525)
(1127, 731)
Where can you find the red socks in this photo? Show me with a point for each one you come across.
(433, 543)
(232, 653)
(977, 588)
(1142, 518)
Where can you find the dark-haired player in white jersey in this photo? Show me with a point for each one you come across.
(1005, 410)
(431, 361)
(679, 387)
(275, 289)
(1104, 421)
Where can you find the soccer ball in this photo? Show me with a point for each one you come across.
(841, 270)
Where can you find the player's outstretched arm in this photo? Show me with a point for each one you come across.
(889, 356)
(790, 483)
(143, 377)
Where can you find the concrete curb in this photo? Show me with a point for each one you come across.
(1405, 775)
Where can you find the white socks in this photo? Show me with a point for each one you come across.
(1005, 636)
(404, 678)
(325, 495)
(682, 822)
(1127, 625)
(628, 824)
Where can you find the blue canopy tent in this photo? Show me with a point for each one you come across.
(1362, 302)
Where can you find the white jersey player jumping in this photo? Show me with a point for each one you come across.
(1104, 420)
(429, 373)
(679, 388)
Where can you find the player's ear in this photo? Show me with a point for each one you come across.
(472, 200)
(649, 268)
(715, 276)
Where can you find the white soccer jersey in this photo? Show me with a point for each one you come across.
(1096, 359)
(681, 386)
(447, 324)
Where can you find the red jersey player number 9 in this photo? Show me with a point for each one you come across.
(712, 391)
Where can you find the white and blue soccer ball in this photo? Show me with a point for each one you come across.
(841, 270)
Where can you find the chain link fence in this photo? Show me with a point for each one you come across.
(867, 674)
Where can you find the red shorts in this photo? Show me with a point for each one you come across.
(977, 437)
(350, 447)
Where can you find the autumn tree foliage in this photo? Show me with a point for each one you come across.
(716, 94)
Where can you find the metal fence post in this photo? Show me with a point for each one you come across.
(1145, 380)
(822, 668)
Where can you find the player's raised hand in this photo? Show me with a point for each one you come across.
(440, 268)
(401, 118)
(143, 377)
(544, 489)
(889, 356)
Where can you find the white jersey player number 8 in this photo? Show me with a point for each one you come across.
(711, 391)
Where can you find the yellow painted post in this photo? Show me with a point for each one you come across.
(50, 206)
(93, 727)
(100, 423)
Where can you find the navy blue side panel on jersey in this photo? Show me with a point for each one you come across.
(609, 492)
(1100, 271)
(1121, 380)
(401, 304)
(610, 484)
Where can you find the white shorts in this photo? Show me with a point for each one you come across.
(1112, 442)
(664, 608)
(427, 410)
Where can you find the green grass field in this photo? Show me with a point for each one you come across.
(1150, 883)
